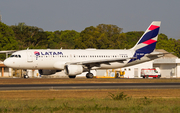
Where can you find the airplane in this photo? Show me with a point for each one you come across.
(77, 61)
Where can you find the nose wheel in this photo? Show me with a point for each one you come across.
(25, 73)
(26, 76)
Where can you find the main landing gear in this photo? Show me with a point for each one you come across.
(89, 75)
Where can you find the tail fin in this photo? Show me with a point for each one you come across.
(147, 42)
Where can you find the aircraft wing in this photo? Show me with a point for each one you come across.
(103, 61)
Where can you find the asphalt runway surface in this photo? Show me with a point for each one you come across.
(91, 86)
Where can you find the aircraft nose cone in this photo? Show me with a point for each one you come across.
(7, 62)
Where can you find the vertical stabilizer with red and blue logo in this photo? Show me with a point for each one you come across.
(147, 42)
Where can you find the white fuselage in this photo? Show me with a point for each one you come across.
(55, 59)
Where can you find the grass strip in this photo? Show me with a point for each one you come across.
(91, 101)
(89, 93)
(91, 105)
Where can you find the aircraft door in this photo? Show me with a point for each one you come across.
(29, 56)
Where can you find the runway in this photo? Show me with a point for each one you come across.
(90, 86)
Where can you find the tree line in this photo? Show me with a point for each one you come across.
(103, 36)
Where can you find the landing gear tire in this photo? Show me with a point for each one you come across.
(72, 76)
(26, 76)
(147, 76)
(89, 75)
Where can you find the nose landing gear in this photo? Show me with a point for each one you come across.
(26, 76)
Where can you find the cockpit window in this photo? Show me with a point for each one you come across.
(12, 56)
(17, 56)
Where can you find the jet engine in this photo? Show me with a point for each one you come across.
(48, 72)
(73, 69)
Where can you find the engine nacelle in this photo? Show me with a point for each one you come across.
(48, 72)
(73, 69)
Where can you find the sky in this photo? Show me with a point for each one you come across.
(131, 15)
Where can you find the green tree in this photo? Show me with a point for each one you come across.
(170, 45)
(87, 38)
(177, 49)
(109, 29)
(111, 33)
(51, 43)
(65, 39)
(132, 38)
(21, 25)
(29, 36)
(7, 39)
(102, 36)
(68, 37)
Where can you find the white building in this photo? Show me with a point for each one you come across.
(169, 65)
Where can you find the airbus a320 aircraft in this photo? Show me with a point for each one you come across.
(75, 62)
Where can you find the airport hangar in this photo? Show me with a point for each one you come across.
(169, 66)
